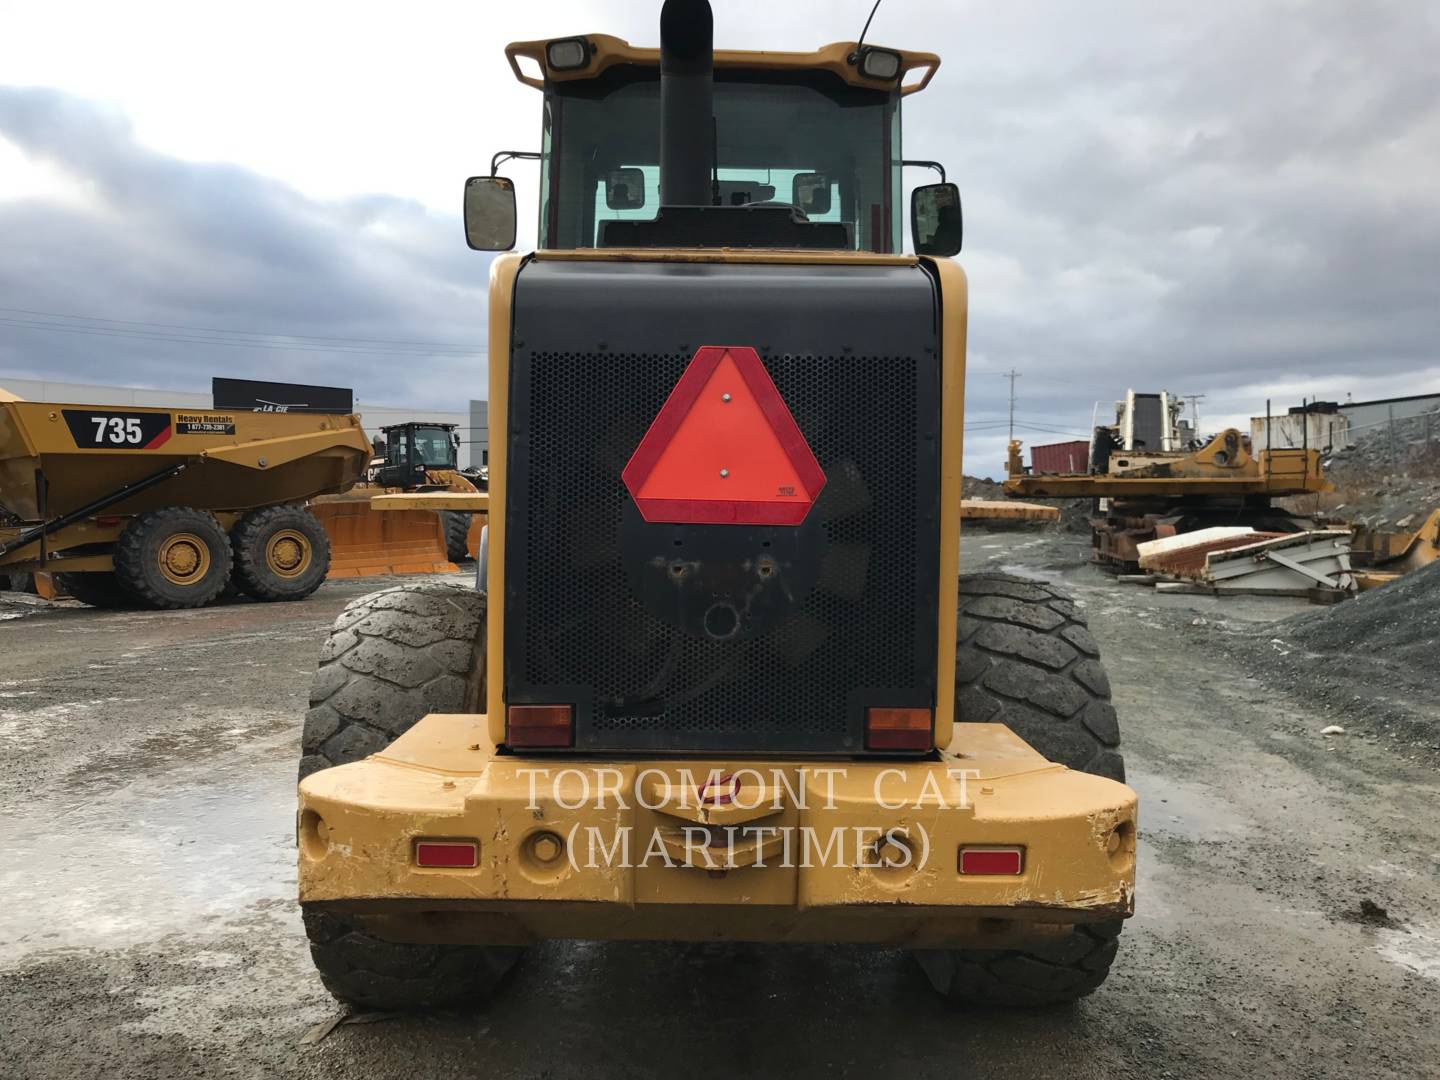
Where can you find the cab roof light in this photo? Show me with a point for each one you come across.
(899, 729)
(880, 64)
(548, 726)
(567, 54)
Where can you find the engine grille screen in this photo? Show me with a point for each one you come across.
(599, 609)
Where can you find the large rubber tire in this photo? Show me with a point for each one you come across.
(392, 657)
(457, 531)
(281, 553)
(367, 972)
(1026, 659)
(196, 534)
(99, 590)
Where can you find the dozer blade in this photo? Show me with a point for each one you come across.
(367, 543)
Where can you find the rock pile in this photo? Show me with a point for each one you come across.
(1388, 481)
(1399, 621)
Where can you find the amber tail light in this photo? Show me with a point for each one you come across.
(547, 726)
(898, 729)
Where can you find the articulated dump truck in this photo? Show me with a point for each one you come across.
(721, 678)
(165, 508)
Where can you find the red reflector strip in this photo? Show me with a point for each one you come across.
(898, 729)
(540, 725)
(447, 853)
(992, 860)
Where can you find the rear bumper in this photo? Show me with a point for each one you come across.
(803, 851)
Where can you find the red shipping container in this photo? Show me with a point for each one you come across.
(1064, 457)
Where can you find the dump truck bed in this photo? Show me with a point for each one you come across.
(235, 461)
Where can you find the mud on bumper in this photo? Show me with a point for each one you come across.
(771, 850)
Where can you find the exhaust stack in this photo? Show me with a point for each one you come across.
(687, 118)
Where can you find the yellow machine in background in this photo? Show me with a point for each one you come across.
(417, 457)
(162, 507)
(1146, 495)
(1381, 557)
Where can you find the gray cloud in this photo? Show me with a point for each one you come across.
(157, 240)
(1228, 199)
(1233, 198)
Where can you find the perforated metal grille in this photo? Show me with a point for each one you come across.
(584, 625)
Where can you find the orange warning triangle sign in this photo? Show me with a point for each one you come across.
(724, 449)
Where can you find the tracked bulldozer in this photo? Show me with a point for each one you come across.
(409, 539)
(425, 457)
(722, 679)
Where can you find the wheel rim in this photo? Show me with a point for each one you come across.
(184, 558)
(288, 553)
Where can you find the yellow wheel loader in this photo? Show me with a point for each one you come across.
(166, 508)
(721, 678)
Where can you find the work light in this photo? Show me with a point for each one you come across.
(567, 54)
(880, 64)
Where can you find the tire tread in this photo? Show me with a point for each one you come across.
(1025, 658)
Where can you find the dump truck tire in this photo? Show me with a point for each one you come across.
(1025, 659)
(177, 557)
(281, 553)
(457, 534)
(99, 590)
(392, 657)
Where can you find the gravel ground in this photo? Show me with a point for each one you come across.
(1371, 664)
(1288, 917)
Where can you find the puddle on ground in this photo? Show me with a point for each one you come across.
(133, 864)
(1188, 811)
(1035, 573)
(1415, 948)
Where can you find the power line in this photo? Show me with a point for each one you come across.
(178, 339)
(240, 333)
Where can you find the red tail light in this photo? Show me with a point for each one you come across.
(451, 854)
(540, 726)
(992, 860)
(898, 729)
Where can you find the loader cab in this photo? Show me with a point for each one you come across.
(802, 150)
(801, 141)
(721, 230)
(412, 451)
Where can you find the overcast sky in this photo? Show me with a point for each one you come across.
(1234, 199)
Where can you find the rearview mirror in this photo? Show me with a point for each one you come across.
(625, 189)
(810, 191)
(490, 213)
(935, 220)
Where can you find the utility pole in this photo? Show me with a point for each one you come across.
(1195, 400)
(1012, 375)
